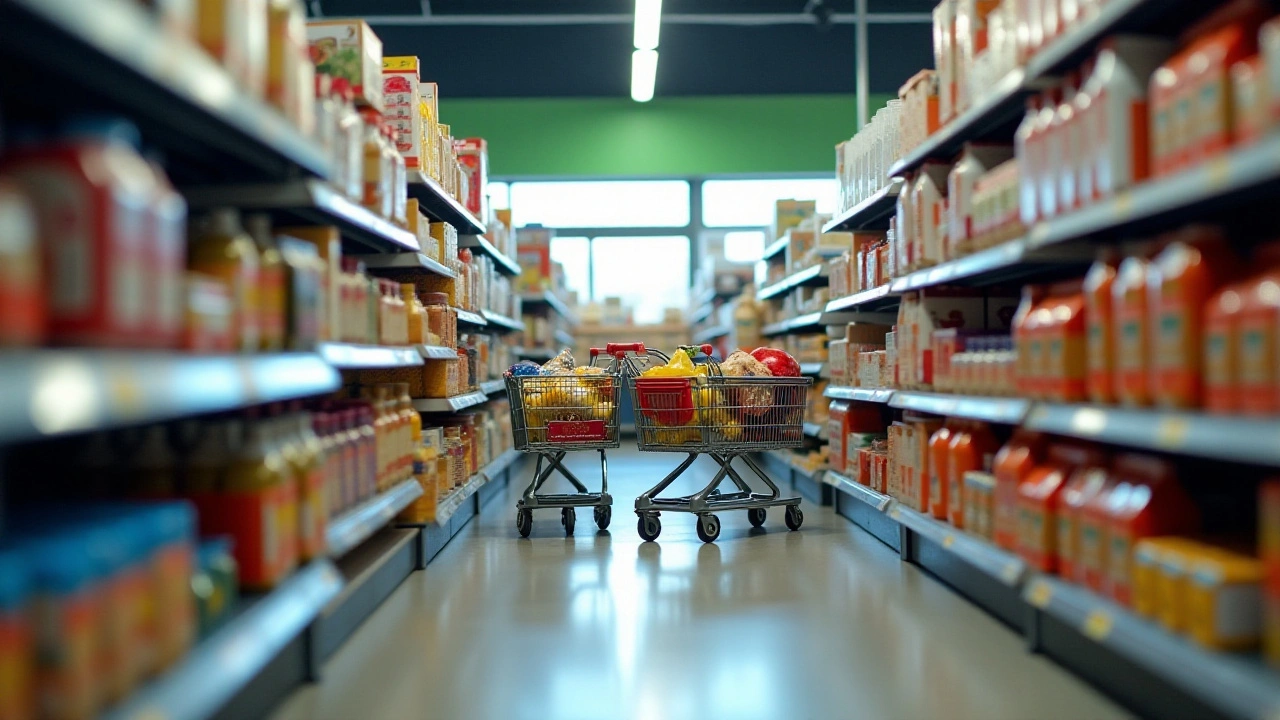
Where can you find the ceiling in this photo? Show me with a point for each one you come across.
(582, 48)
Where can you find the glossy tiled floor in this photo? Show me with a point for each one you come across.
(824, 623)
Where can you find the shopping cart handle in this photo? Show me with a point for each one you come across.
(620, 349)
(706, 349)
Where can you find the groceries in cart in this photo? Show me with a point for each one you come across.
(684, 402)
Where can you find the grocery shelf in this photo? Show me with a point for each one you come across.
(312, 202)
(347, 356)
(863, 493)
(57, 392)
(563, 338)
(1004, 567)
(491, 387)
(1000, 108)
(1160, 203)
(404, 261)
(789, 326)
(703, 312)
(502, 321)
(437, 352)
(1067, 51)
(536, 353)
(775, 248)
(505, 265)
(373, 571)
(466, 317)
(441, 206)
(1233, 439)
(551, 300)
(113, 51)
(1005, 411)
(711, 334)
(861, 394)
(814, 369)
(359, 523)
(1186, 680)
(220, 668)
(808, 276)
(872, 213)
(876, 298)
(454, 500)
(450, 404)
(1004, 263)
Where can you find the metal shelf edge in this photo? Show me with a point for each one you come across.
(502, 321)
(504, 263)
(1005, 567)
(872, 395)
(868, 211)
(858, 491)
(405, 261)
(348, 356)
(361, 522)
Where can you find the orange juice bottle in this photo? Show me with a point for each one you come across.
(1014, 461)
(971, 448)
(1093, 560)
(1064, 348)
(1083, 486)
(1146, 501)
(221, 248)
(1100, 333)
(1181, 279)
(939, 482)
(1258, 345)
(252, 494)
(280, 439)
(1222, 349)
(1132, 335)
(1037, 509)
(271, 278)
(1031, 295)
(309, 466)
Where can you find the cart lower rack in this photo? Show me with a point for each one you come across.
(727, 419)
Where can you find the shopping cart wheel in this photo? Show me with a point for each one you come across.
(795, 517)
(568, 518)
(603, 514)
(756, 516)
(524, 522)
(649, 526)
(708, 528)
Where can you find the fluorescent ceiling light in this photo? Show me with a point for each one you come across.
(644, 71)
(648, 24)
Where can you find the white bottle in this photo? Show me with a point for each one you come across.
(1028, 163)
(1121, 152)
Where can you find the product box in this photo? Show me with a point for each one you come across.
(473, 154)
(328, 243)
(403, 101)
(788, 214)
(944, 57)
(533, 252)
(235, 34)
(349, 49)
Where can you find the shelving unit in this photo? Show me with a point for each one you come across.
(309, 202)
(493, 387)
(441, 206)
(450, 404)
(505, 265)
(436, 352)
(870, 214)
(466, 317)
(501, 323)
(346, 356)
(809, 276)
(404, 261)
(542, 354)
(550, 300)
(360, 523)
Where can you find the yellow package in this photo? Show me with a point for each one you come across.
(680, 365)
(1155, 596)
(1224, 600)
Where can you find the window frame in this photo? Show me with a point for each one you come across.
(695, 230)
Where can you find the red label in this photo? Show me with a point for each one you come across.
(567, 431)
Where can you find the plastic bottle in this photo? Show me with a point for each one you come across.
(271, 281)
(1120, 141)
(169, 259)
(1259, 337)
(22, 297)
(1055, 142)
(1022, 338)
(939, 467)
(387, 178)
(252, 497)
(416, 315)
(410, 417)
(354, 454)
(310, 464)
(374, 163)
(1146, 502)
(1041, 506)
(351, 140)
(1180, 280)
(369, 484)
(399, 180)
(328, 116)
(1014, 461)
(1133, 337)
(1100, 327)
(220, 248)
(1029, 164)
(972, 447)
(1222, 393)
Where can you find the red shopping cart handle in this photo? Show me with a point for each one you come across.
(619, 349)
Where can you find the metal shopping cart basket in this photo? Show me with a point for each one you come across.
(726, 418)
(553, 415)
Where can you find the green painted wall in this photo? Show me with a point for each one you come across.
(671, 136)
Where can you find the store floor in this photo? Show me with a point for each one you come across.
(824, 623)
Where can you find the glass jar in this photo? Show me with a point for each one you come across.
(374, 164)
(437, 309)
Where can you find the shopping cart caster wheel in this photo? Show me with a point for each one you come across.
(524, 522)
(708, 528)
(756, 516)
(603, 514)
(795, 517)
(568, 518)
(649, 527)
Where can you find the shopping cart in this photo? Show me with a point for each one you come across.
(553, 415)
(725, 418)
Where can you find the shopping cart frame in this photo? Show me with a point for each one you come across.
(592, 433)
(714, 435)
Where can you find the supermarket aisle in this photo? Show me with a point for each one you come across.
(823, 623)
